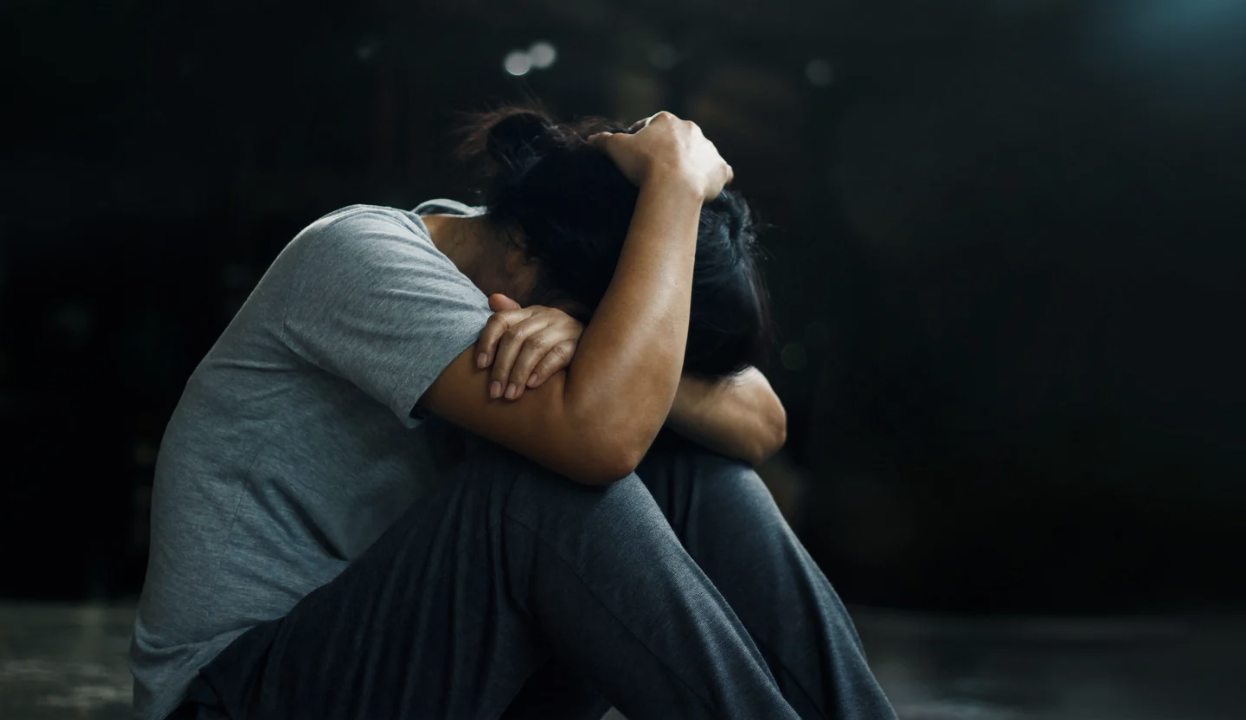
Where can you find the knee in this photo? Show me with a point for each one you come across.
(734, 487)
(541, 500)
(699, 482)
(620, 505)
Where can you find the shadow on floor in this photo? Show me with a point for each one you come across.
(59, 662)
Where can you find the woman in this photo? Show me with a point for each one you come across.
(311, 557)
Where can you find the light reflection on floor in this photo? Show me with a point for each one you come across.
(59, 662)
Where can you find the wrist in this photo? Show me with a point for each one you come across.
(673, 176)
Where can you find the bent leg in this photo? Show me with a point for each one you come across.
(731, 527)
(503, 567)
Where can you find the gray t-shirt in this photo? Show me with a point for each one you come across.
(292, 448)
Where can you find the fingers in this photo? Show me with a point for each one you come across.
(495, 329)
(497, 325)
(663, 137)
(558, 357)
(509, 347)
(643, 123)
(552, 346)
(601, 138)
(525, 347)
(726, 175)
(499, 302)
(658, 118)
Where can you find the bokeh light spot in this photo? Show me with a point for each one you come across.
(819, 72)
(542, 55)
(518, 63)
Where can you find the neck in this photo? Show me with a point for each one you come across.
(465, 240)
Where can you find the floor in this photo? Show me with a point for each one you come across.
(59, 662)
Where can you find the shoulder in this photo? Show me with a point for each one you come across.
(363, 219)
(364, 232)
(368, 245)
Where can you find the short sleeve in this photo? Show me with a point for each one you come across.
(373, 301)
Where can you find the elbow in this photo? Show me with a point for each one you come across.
(606, 467)
(608, 457)
(780, 427)
(622, 462)
(609, 445)
(774, 434)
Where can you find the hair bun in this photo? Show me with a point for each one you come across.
(519, 135)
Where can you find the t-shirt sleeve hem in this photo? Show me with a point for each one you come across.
(426, 372)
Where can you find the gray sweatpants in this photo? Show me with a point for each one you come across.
(510, 592)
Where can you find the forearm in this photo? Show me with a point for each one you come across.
(626, 369)
(740, 416)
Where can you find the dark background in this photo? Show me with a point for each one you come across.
(1006, 240)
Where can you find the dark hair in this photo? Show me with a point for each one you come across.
(573, 206)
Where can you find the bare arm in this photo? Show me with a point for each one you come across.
(594, 422)
(739, 416)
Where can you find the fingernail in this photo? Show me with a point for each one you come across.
(495, 389)
(511, 391)
(532, 380)
(482, 360)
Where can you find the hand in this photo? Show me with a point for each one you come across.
(525, 346)
(663, 145)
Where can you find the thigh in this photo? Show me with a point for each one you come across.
(451, 612)
(428, 622)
